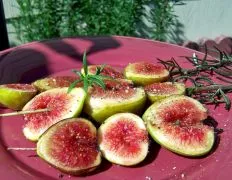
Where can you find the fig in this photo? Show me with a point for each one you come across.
(123, 139)
(157, 91)
(15, 96)
(60, 105)
(144, 73)
(71, 146)
(176, 123)
(106, 71)
(55, 82)
(118, 96)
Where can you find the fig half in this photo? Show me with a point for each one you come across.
(158, 91)
(71, 146)
(118, 96)
(15, 96)
(144, 73)
(55, 82)
(176, 124)
(123, 139)
(106, 71)
(60, 105)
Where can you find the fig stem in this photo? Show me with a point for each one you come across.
(20, 149)
(24, 112)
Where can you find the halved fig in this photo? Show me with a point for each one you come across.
(55, 82)
(176, 124)
(107, 71)
(60, 105)
(157, 91)
(118, 96)
(144, 73)
(123, 139)
(15, 96)
(71, 146)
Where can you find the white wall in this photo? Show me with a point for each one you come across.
(205, 18)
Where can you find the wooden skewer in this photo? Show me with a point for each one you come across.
(24, 112)
(21, 149)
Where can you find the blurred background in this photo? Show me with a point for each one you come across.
(174, 21)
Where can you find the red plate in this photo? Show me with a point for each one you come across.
(39, 59)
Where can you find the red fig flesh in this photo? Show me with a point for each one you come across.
(71, 146)
(123, 139)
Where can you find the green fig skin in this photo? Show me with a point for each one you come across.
(15, 99)
(44, 143)
(158, 133)
(100, 109)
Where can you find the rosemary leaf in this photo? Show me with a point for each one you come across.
(99, 69)
(85, 64)
(73, 85)
(98, 81)
(86, 84)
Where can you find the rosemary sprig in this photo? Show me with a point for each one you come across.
(204, 88)
(89, 79)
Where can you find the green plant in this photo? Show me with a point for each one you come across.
(41, 19)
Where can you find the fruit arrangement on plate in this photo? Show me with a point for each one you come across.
(77, 120)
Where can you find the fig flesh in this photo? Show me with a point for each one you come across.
(123, 139)
(55, 82)
(176, 124)
(60, 105)
(144, 73)
(15, 96)
(107, 71)
(118, 96)
(71, 146)
(158, 91)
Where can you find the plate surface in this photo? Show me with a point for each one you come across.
(36, 60)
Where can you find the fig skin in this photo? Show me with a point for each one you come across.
(15, 99)
(156, 96)
(113, 155)
(158, 133)
(76, 106)
(99, 108)
(141, 79)
(44, 143)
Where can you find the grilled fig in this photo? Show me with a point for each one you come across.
(123, 139)
(15, 96)
(71, 146)
(176, 124)
(60, 105)
(118, 96)
(157, 91)
(144, 73)
(55, 82)
(106, 71)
